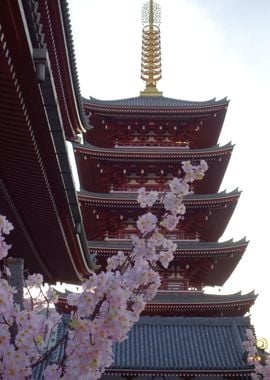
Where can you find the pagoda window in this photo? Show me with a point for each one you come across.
(133, 182)
(130, 228)
(132, 176)
(151, 182)
(153, 175)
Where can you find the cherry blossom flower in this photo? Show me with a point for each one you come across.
(5, 225)
(165, 258)
(52, 372)
(147, 199)
(4, 247)
(35, 280)
(170, 222)
(203, 166)
(187, 167)
(179, 187)
(147, 222)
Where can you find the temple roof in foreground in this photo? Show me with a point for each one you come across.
(183, 345)
(154, 102)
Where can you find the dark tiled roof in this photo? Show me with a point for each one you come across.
(201, 298)
(184, 344)
(155, 101)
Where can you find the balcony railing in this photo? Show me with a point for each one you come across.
(125, 235)
(134, 187)
(151, 144)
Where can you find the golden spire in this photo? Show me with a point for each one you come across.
(151, 50)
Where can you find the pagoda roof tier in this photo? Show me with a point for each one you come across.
(190, 249)
(199, 122)
(200, 304)
(125, 198)
(90, 159)
(207, 215)
(183, 346)
(148, 153)
(207, 263)
(187, 304)
(155, 104)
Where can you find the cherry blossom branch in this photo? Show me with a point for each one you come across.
(110, 302)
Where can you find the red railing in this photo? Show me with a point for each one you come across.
(151, 144)
(133, 188)
(125, 235)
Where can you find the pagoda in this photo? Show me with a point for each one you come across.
(142, 141)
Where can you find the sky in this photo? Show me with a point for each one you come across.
(210, 48)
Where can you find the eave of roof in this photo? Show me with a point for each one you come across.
(131, 198)
(148, 103)
(72, 61)
(188, 249)
(36, 181)
(52, 19)
(157, 153)
(189, 298)
(187, 304)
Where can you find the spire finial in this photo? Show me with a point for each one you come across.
(151, 50)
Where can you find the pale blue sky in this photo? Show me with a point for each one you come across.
(210, 48)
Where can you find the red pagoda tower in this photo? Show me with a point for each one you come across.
(138, 142)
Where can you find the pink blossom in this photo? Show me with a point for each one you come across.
(5, 225)
(203, 166)
(4, 338)
(157, 239)
(170, 222)
(147, 199)
(179, 187)
(174, 204)
(6, 298)
(169, 244)
(35, 280)
(254, 376)
(116, 261)
(147, 223)
(165, 258)
(187, 167)
(52, 372)
(139, 246)
(4, 247)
